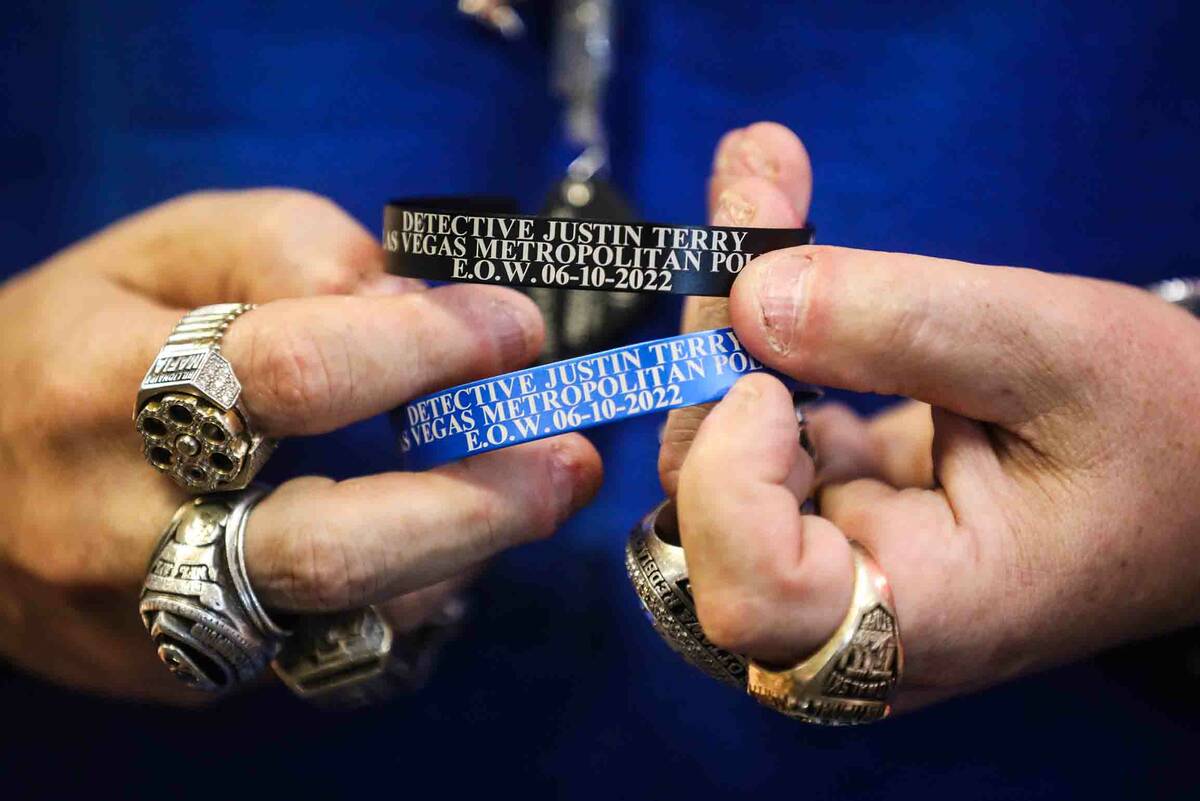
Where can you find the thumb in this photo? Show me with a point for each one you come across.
(997, 344)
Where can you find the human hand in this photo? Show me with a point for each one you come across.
(1045, 508)
(334, 341)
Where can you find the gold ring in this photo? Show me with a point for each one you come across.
(852, 677)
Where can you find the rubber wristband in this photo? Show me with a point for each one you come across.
(481, 240)
(573, 395)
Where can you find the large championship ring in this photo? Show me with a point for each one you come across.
(657, 568)
(209, 628)
(852, 677)
(189, 411)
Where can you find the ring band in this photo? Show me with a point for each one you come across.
(189, 411)
(657, 568)
(196, 601)
(852, 677)
(355, 658)
(214, 634)
(235, 558)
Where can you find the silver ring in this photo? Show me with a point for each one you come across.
(353, 659)
(189, 412)
(657, 567)
(235, 557)
(191, 603)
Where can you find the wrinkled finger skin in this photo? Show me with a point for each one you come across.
(1038, 499)
(333, 341)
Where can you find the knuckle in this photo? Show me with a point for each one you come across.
(66, 406)
(336, 278)
(564, 463)
(731, 619)
(58, 568)
(286, 223)
(322, 570)
(698, 478)
(862, 521)
(293, 374)
(484, 515)
(71, 570)
(678, 435)
(280, 207)
(670, 464)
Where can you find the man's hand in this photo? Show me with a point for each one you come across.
(334, 341)
(1047, 506)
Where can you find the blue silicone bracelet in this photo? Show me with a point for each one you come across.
(572, 395)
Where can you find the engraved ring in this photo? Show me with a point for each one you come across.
(355, 658)
(189, 412)
(853, 676)
(210, 629)
(657, 569)
(213, 633)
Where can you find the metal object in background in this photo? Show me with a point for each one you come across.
(577, 322)
(582, 66)
(196, 601)
(1183, 292)
(189, 412)
(580, 322)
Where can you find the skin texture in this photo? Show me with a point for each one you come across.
(334, 341)
(1037, 500)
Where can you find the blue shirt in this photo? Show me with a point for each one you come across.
(1060, 136)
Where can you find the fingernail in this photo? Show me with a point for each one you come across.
(755, 158)
(778, 291)
(733, 209)
(385, 284)
(513, 327)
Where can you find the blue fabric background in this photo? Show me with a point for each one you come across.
(1062, 136)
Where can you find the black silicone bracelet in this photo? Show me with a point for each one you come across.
(481, 240)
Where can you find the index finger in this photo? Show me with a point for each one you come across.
(768, 580)
(250, 245)
(311, 365)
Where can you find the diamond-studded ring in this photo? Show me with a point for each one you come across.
(189, 412)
